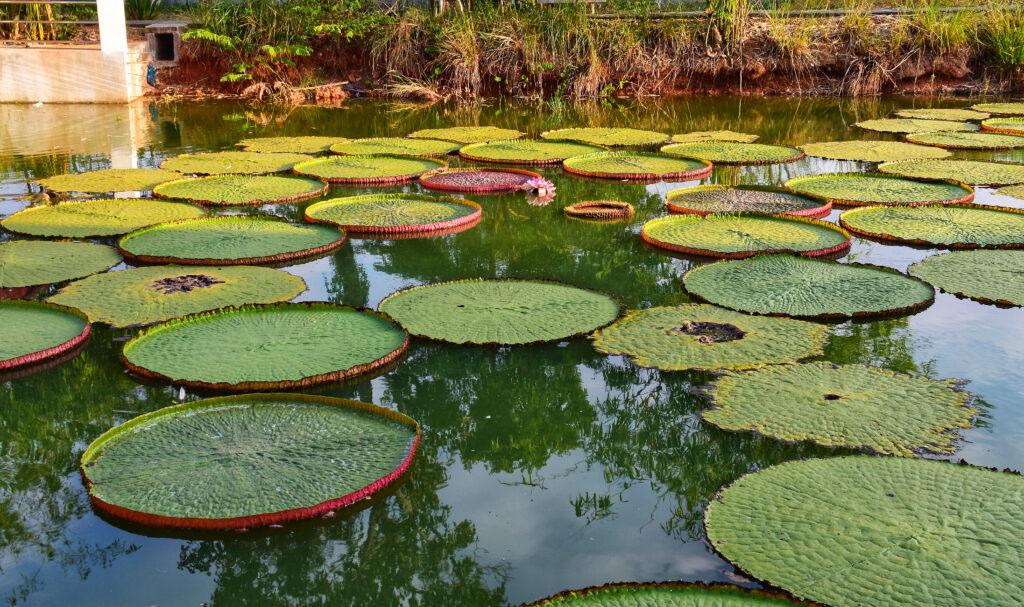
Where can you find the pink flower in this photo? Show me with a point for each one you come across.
(540, 185)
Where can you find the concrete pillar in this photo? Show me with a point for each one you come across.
(113, 31)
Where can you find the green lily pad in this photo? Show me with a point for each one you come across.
(143, 296)
(993, 277)
(666, 594)
(1013, 108)
(246, 461)
(738, 235)
(294, 145)
(788, 285)
(717, 198)
(108, 181)
(859, 189)
(943, 114)
(275, 346)
(636, 165)
(967, 141)
(505, 312)
(29, 263)
(395, 146)
(1017, 191)
(729, 152)
(607, 136)
(96, 218)
(229, 240)
(911, 125)
(957, 226)
(468, 134)
(34, 331)
(879, 531)
(1008, 126)
(699, 336)
(526, 151)
(843, 406)
(241, 163)
(381, 169)
(697, 136)
(394, 213)
(873, 151)
(974, 172)
(231, 190)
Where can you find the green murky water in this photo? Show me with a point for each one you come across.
(542, 468)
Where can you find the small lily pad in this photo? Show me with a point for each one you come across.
(859, 189)
(241, 163)
(29, 263)
(607, 136)
(395, 146)
(34, 332)
(96, 218)
(873, 151)
(729, 152)
(468, 134)
(739, 235)
(637, 166)
(956, 226)
(231, 190)
(107, 181)
(380, 169)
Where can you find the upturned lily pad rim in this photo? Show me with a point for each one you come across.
(277, 258)
(254, 202)
(821, 252)
(957, 246)
(300, 167)
(599, 209)
(687, 175)
(550, 135)
(263, 386)
(94, 450)
(814, 212)
(914, 138)
(54, 351)
(676, 150)
(990, 126)
(680, 585)
(425, 179)
(888, 165)
(466, 221)
(963, 200)
(467, 154)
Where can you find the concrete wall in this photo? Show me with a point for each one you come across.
(71, 74)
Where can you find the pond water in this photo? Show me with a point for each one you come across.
(542, 468)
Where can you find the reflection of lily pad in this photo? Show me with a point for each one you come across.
(789, 285)
(928, 528)
(108, 181)
(95, 218)
(636, 165)
(34, 332)
(607, 136)
(848, 406)
(1008, 126)
(246, 461)
(395, 146)
(507, 312)
(295, 145)
(221, 163)
(143, 296)
(858, 189)
(380, 169)
(241, 189)
(666, 594)
(738, 235)
(525, 151)
(957, 226)
(394, 213)
(729, 152)
(974, 172)
(872, 151)
(943, 114)
(229, 240)
(696, 136)
(28, 263)
(911, 125)
(717, 198)
(1011, 108)
(267, 347)
(967, 141)
(467, 134)
(995, 277)
(699, 336)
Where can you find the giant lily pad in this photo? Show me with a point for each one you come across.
(1009, 126)
(848, 406)
(230, 240)
(1017, 191)
(666, 594)
(221, 163)
(394, 213)
(967, 141)
(699, 336)
(265, 347)
(729, 152)
(29, 263)
(34, 332)
(96, 218)
(879, 531)
(636, 165)
(873, 151)
(957, 226)
(974, 172)
(911, 125)
(381, 169)
(229, 190)
(246, 461)
(717, 198)
(789, 285)
(738, 235)
(310, 144)
(144, 296)
(505, 312)
(607, 136)
(526, 151)
(859, 189)
(994, 277)
(468, 134)
(108, 181)
(695, 136)
(477, 179)
(943, 114)
(395, 146)
(1011, 108)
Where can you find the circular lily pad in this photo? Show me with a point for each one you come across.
(666, 594)
(394, 213)
(699, 336)
(526, 151)
(34, 331)
(873, 151)
(1008, 126)
(943, 114)
(607, 136)
(967, 141)
(879, 531)
(499, 312)
(229, 240)
(395, 146)
(108, 181)
(1017, 191)
(956, 227)
(729, 152)
(1013, 108)
(143, 296)
(911, 125)
(29, 263)
(468, 134)
(221, 163)
(992, 277)
(788, 285)
(974, 172)
(859, 189)
(378, 170)
(246, 461)
(599, 209)
(96, 218)
(843, 406)
(696, 136)
(717, 198)
(738, 235)
(636, 165)
(294, 145)
(230, 190)
(477, 180)
(275, 346)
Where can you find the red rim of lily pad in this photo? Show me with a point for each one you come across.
(599, 209)
(434, 180)
(54, 351)
(1002, 130)
(814, 212)
(413, 230)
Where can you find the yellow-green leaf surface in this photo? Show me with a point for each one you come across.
(995, 277)
(27, 263)
(392, 212)
(855, 189)
(942, 114)
(367, 169)
(636, 165)
(1010, 126)
(309, 144)
(96, 218)
(607, 136)
(30, 327)
(467, 134)
(400, 146)
(744, 234)
(229, 190)
(729, 152)
(911, 125)
(109, 180)
(872, 151)
(526, 151)
(696, 136)
(956, 226)
(220, 163)
(974, 172)
(967, 141)
(1008, 108)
